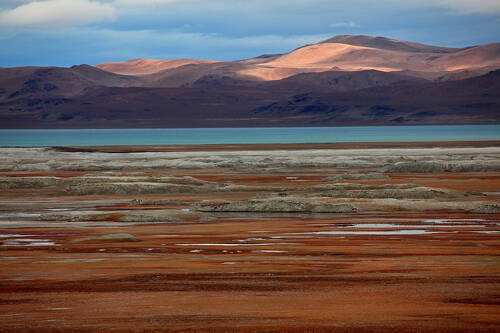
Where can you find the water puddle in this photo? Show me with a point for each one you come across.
(28, 242)
(401, 226)
(91, 212)
(269, 251)
(14, 235)
(231, 244)
(388, 232)
(284, 237)
(6, 215)
(451, 220)
(71, 260)
(249, 240)
(372, 225)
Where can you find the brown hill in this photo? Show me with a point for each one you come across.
(147, 66)
(345, 80)
(388, 44)
(186, 75)
(474, 100)
(327, 55)
(57, 81)
(331, 81)
(345, 53)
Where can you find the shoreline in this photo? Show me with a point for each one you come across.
(272, 146)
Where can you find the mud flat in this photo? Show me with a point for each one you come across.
(267, 238)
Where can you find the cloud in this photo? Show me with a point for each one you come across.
(349, 24)
(472, 7)
(152, 44)
(144, 3)
(57, 13)
(459, 7)
(225, 29)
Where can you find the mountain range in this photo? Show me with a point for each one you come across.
(344, 80)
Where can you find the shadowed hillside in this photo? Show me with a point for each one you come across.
(345, 80)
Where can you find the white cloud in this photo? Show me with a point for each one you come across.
(460, 7)
(144, 3)
(121, 45)
(349, 24)
(472, 7)
(57, 13)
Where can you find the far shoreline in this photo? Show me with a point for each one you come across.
(272, 146)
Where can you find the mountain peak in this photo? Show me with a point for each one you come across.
(387, 44)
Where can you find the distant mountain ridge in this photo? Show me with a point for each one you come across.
(388, 44)
(344, 80)
(343, 52)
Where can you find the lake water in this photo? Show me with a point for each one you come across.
(175, 136)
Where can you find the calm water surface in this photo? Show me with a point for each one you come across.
(175, 136)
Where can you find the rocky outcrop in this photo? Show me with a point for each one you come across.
(28, 182)
(92, 179)
(66, 217)
(429, 167)
(109, 238)
(396, 191)
(130, 188)
(420, 205)
(356, 176)
(353, 187)
(420, 192)
(159, 202)
(274, 206)
(96, 180)
(145, 217)
(488, 208)
(161, 216)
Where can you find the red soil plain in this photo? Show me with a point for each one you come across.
(379, 269)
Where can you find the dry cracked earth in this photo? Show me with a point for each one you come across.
(264, 238)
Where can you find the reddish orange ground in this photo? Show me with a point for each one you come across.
(398, 283)
(440, 282)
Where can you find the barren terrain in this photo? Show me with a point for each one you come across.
(345, 80)
(244, 238)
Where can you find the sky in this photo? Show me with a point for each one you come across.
(72, 32)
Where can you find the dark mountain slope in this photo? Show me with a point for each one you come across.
(473, 100)
(331, 81)
(346, 80)
(42, 82)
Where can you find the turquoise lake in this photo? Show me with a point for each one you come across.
(176, 136)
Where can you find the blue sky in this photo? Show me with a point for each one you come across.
(69, 32)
